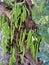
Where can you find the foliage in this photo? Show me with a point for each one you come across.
(35, 38)
(21, 15)
(12, 59)
(1, 63)
(41, 16)
(44, 53)
(18, 13)
(40, 11)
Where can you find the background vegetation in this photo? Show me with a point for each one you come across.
(25, 30)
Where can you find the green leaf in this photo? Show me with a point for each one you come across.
(29, 38)
(12, 60)
(23, 15)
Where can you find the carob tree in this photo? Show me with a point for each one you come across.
(19, 32)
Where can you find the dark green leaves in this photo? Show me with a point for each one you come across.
(44, 53)
(44, 32)
(40, 10)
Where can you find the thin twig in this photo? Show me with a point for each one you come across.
(5, 11)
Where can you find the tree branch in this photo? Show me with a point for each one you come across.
(5, 11)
